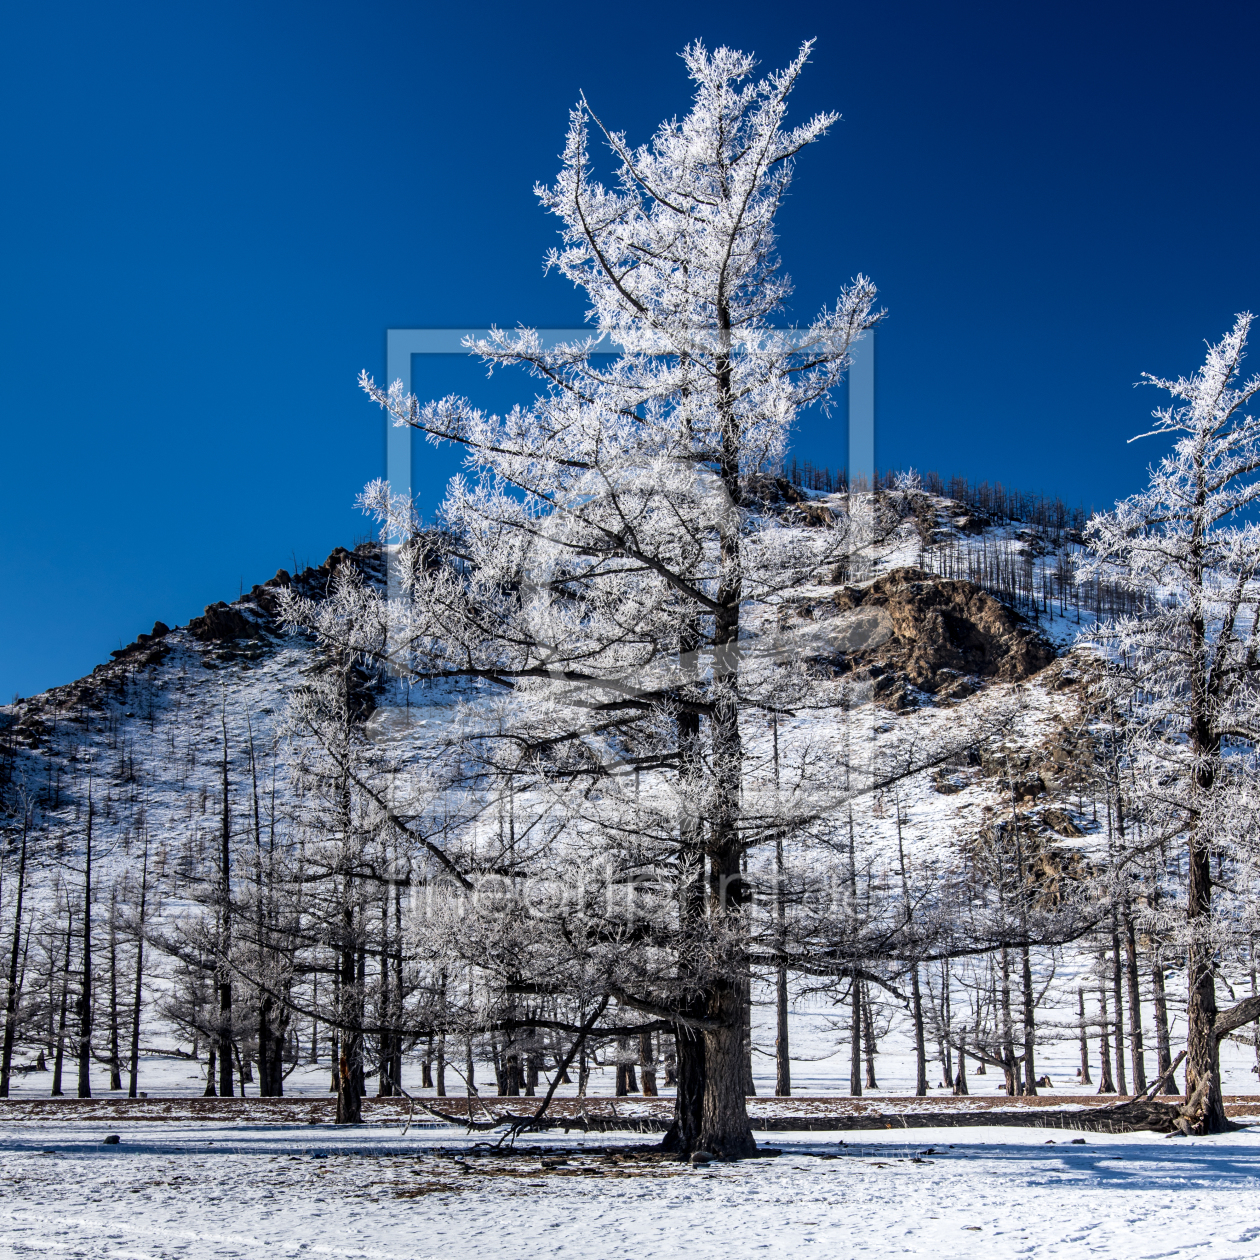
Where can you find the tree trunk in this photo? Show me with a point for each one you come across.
(84, 1003)
(855, 1038)
(868, 1037)
(1107, 1084)
(267, 1046)
(225, 926)
(1117, 993)
(349, 1096)
(647, 1064)
(1163, 1042)
(1202, 1047)
(226, 1087)
(1010, 1065)
(1030, 1030)
(782, 1049)
(11, 999)
(689, 1049)
(724, 1127)
(1086, 1079)
(211, 1061)
(59, 1056)
(1135, 1005)
(920, 1047)
(134, 1070)
(960, 1081)
(115, 1058)
(745, 1000)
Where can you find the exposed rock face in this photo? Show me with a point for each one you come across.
(935, 633)
(220, 621)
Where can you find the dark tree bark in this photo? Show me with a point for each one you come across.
(868, 1037)
(647, 1064)
(855, 1038)
(1118, 995)
(1163, 1042)
(1086, 1079)
(134, 1070)
(724, 1127)
(11, 997)
(920, 1046)
(350, 1060)
(782, 1047)
(1135, 1005)
(1107, 1083)
(683, 1135)
(115, 1057)
(1030, 1029)
(84, 1004)
(59, 1056)
(960, 1081)
(1010, 1065)
(224, 1030)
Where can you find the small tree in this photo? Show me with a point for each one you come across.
(1189, 547)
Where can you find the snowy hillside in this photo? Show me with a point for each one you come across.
(146, 733)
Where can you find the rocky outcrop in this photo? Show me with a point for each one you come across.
(939, 636)
(222, 622)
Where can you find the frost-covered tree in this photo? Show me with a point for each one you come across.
(1187, 668)
(603, 564)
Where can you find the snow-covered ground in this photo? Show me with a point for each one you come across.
(185, 1190)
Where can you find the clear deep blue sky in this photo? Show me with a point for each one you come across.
(211, 214)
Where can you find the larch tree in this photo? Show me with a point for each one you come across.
(1185, 669)
(604, 566)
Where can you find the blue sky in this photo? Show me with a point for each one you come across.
(212, 213)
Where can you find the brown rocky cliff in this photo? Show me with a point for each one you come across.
(940, 632)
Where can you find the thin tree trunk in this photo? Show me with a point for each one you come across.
(1118, 995)
(920, 1047)
(647, 1065)
(133, 1074)
(1202, 1047)
(960, 1081)
(350, 1060)
(1086, 1079)
(782, 1045)
(1030, 1030)
(11, 998)
(1010, 1065)
(115, 1056)
(868, 1038)
(225, 939)
(855, 1039)
(1163, 1042)
(85, 990)
(1107, 1084)
(1135, 1006)
(59, 1057)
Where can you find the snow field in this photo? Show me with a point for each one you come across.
(178, 1190)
